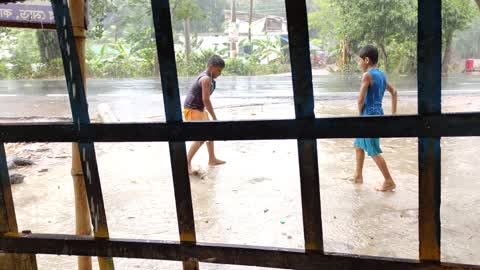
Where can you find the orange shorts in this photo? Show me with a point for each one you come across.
(195, 115)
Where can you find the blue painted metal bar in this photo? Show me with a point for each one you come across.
(429, 103)
(79, 107)
(304, 105)
(178, 159)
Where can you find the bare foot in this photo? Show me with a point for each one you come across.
(216, 162)
(355, 179)
(191, 171)
(358, 179)
(387, 185)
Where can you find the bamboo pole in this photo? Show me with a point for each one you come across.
(82, 214)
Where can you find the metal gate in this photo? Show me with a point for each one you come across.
(429, 125)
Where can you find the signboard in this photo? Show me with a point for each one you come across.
(29, 14)
(472, 65)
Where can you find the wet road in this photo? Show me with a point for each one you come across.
(254, 199)
(141, 99)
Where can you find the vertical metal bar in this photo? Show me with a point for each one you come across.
(79, 107)
(429, 102)
(298, 40)
(8, 220)
(171, 97)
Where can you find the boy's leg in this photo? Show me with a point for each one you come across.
(360, 156)
(194, 115)
(388, 184)
(191, 152)
(212, 159)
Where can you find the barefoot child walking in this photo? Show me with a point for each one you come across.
(372, 89)
(197, 100)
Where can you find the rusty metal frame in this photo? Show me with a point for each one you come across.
(429, 126)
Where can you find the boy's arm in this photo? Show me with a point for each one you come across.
(206, 83)
(393, 92)
(363, 91)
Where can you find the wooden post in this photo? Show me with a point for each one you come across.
(8, 221)
(82, 215)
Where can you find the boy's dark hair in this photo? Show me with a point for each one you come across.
(216, 61)
(369, 51)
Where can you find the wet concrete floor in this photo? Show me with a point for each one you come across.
(254, 199)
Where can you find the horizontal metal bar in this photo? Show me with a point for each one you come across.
(221, 254)
(445, 125)
(31, 25)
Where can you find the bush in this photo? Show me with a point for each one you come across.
(54, 69)
(236, 66)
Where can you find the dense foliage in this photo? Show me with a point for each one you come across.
(121, 41)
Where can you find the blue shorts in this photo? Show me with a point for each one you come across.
(369, 145)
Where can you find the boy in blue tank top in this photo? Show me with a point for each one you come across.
(373, 86)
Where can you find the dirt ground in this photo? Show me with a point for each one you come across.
(254, 199)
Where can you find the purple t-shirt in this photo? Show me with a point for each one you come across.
(194, 98)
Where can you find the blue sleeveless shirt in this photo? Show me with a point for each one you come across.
(375, 92)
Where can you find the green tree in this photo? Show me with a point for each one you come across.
(25, 54)
(456, 16)
(325, 25)
(98, 11)
(6, 43)
(379, 21)
(467, 43)
(48, 46)
(214, 16)
(353, 23)
(186, 11)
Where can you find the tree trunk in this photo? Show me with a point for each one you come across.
(156, 66)
(346, 54)
(188, 44)
(250, 18)
(385, 56)
(48, 45)
(478, 3)
(448, 53)
(233, 43)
